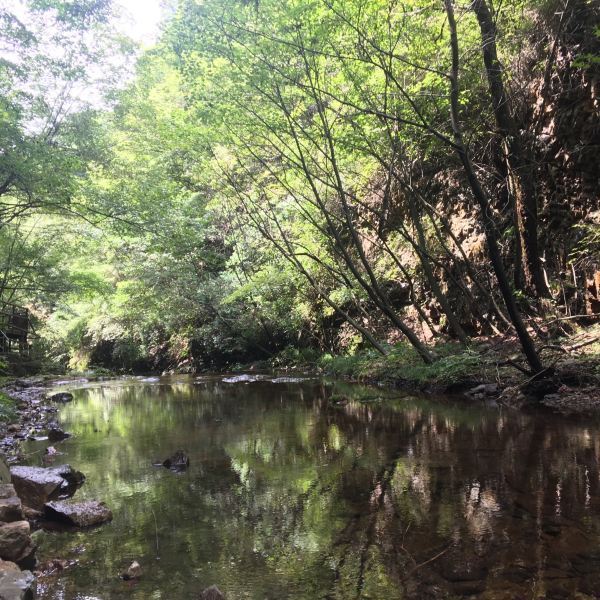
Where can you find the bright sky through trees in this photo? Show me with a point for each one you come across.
(141, 18)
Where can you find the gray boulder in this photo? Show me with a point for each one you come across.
(7, 565)
(79, 514)
(38, 485)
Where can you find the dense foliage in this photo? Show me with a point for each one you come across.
(286, 178)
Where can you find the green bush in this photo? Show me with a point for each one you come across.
(296, 358)
(347, 366)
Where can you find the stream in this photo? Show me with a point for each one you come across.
(309, 489)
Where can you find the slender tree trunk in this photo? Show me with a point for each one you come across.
(430, 276)
(488, 223)
(420, 244)
(519, 170)
(291, 257)
(411, 286)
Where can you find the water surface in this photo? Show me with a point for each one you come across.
(317, 490)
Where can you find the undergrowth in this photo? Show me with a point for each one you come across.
(403, 364)
(8, 411)
(453, 365)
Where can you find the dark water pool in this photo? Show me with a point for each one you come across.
(318, 490)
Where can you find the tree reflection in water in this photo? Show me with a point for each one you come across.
(321, 490)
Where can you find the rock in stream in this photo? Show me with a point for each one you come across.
(15, 542)
(16, 545)
(178, 462)
(134, 571)
(38, 485)
(11, 508)
(79, 514)
(61, 397)
(56, 434)
(16, 585)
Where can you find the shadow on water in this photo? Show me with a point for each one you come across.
(320, 490)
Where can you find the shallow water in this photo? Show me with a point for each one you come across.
(315, 490)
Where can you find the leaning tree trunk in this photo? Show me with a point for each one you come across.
(488, 224)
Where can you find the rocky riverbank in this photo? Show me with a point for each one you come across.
(32, 497)
(35, 414)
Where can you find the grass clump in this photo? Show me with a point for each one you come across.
(8, 409)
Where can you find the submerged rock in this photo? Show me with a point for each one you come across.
(56, 434)
(53, 565)
(79, 514)
(178, 462)
(37, 485)
(134, 571)
(61, 397)
(212, 593)
(15, 542)
(51, 455)
(17, 585)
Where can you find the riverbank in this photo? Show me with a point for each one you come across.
(36, 496)
(489, 369)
